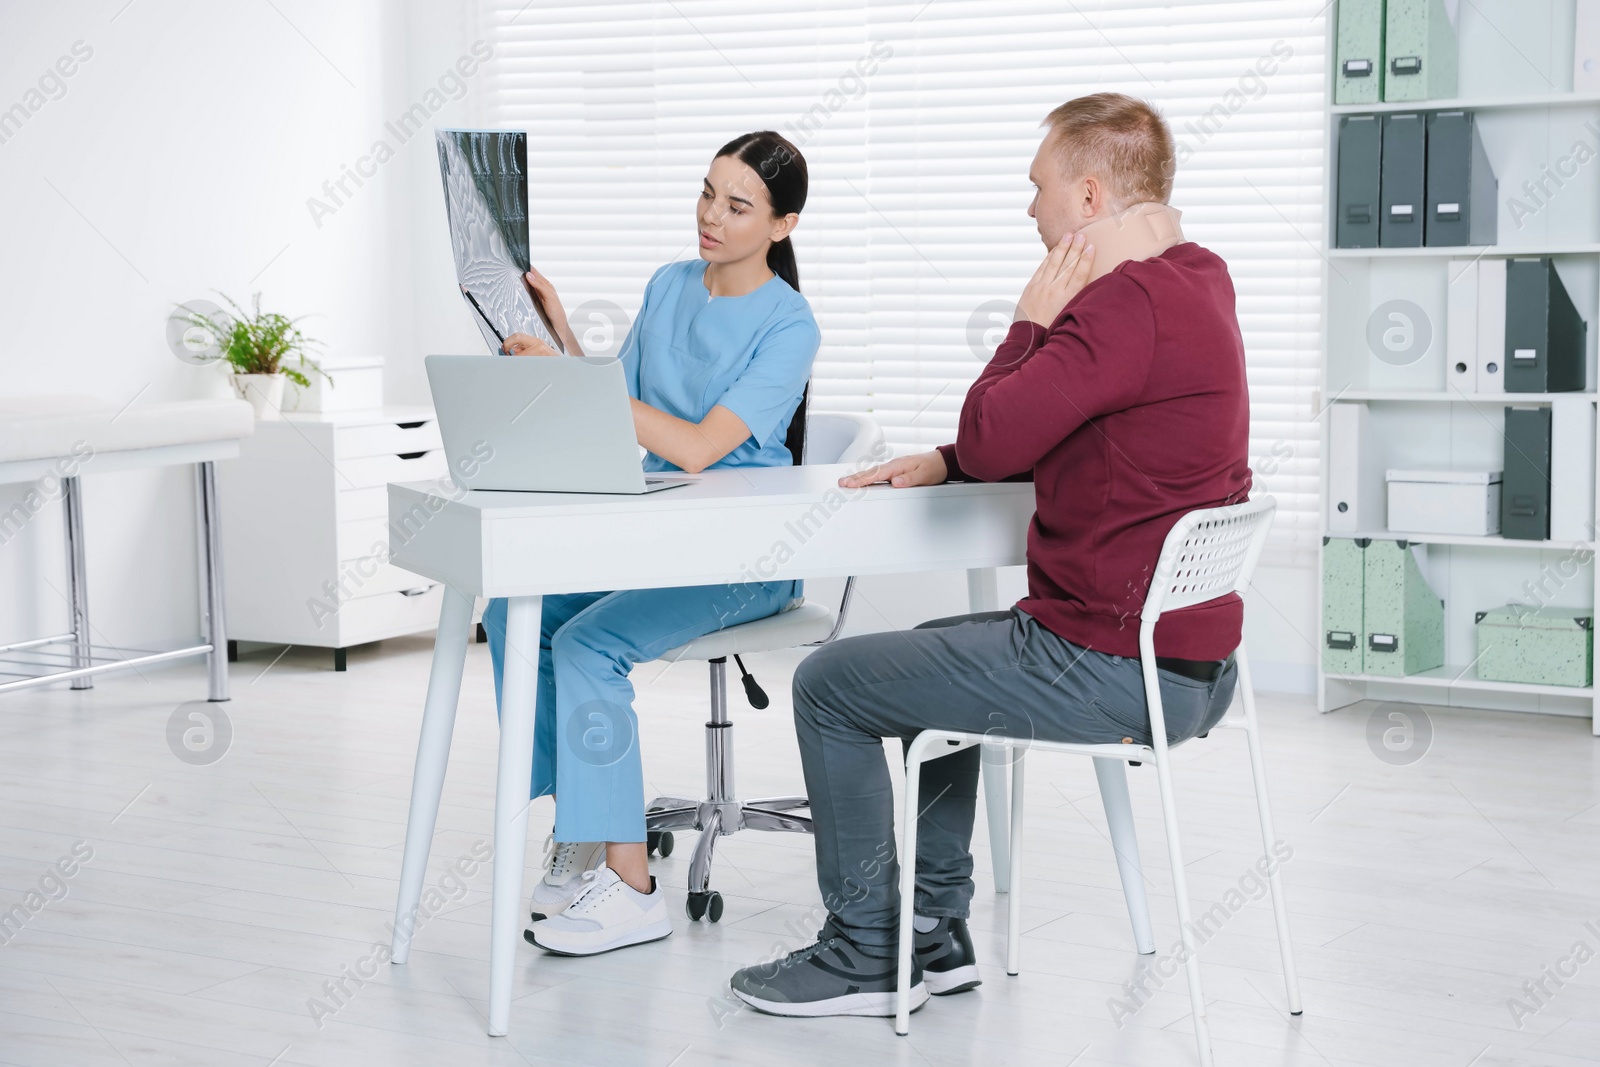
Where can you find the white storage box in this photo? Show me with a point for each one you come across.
(357, 386)
(1444, 501)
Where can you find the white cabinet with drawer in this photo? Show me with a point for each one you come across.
(305, 528)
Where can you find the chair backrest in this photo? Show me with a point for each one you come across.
(843, 439)
(795, 438)
(1208, 553)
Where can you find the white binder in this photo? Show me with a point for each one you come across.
(1572, 469)
(1586, 48)
(1355, 479)
(1491, 325)
(1461, 326)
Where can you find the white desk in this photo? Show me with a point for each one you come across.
(764, 524)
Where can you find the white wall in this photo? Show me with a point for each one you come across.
(178, 158)
(181, 157)
(1281, 627)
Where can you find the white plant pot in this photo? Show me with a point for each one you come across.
(264, 391)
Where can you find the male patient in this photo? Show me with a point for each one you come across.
(1121, 392)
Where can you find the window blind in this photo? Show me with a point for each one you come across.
(918, 121)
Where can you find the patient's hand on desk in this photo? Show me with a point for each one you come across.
(924, 468)
(522, 344)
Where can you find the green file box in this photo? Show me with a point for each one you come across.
(1544, 331)
(1525, 485)
(1402, 620)
(1359, 181)
(1419, 46)
(1402, 192)
(1547, 646)
(1358, 79)
(1462, 191)
(1342, 639)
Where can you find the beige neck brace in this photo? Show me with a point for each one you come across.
(1140, 231)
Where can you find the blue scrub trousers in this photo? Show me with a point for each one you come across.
(585, 739)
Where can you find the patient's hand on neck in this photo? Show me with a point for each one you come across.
(1139, 231)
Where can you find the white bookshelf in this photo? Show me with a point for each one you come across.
(1517, 78)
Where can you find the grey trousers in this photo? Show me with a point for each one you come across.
(992, 672)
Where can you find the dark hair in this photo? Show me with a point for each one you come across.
(783, 169)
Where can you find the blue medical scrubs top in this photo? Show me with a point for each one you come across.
(689, 351)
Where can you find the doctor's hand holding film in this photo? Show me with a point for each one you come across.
(544, 296)
(522, 344)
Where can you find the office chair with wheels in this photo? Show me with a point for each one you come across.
(818, 439)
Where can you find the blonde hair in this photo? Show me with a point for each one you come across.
(1119, 139)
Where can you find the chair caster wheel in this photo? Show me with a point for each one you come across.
(659, 842)
(708, 905)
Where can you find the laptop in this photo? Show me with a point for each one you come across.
(539, 424)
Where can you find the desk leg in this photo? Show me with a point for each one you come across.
(518, 690)
(77, 578)
(211, 608)
(983, 594)
(998, 808)
(433, 754)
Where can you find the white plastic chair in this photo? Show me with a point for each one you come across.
(1208, 554)
(854, 439)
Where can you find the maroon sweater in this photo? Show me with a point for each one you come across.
(1130, 411)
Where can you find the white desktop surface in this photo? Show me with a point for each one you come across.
(750, 524)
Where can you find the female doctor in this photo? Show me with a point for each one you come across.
(716, 365)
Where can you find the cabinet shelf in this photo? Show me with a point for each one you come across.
(1475, 540)
(1473, 103)
(1588, 248)
(1457, 677)
(1452, 397)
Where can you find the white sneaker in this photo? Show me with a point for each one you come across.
(562, 881)
(607, 914)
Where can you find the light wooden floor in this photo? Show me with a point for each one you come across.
(220, 899)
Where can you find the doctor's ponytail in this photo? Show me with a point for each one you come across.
(783, 169)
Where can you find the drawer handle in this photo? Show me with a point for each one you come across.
(410, 455)
(411, 425)
(419, 591)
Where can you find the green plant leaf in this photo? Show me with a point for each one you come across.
(258, 342)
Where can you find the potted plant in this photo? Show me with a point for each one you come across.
(264, 349)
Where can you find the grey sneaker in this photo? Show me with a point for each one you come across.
(831, 977)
